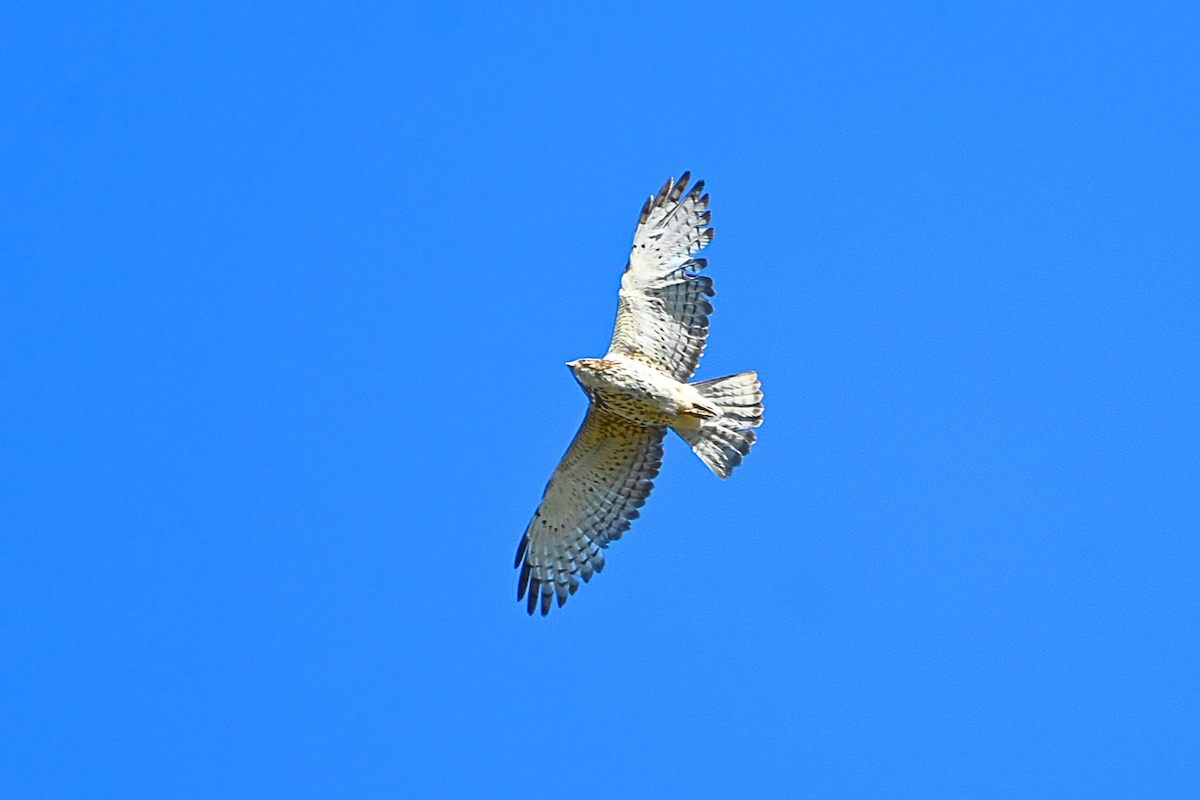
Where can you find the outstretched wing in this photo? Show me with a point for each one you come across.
(662, 312)
(603, 479)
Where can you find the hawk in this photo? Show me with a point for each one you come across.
(636, 392)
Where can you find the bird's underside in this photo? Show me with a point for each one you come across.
(638, 391)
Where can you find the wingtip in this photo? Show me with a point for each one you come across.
(521, 550)
(646, 208)
(664, 191)
(533, 594)
(523, 581)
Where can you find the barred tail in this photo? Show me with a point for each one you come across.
(722, 442)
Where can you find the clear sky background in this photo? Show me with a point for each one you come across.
(286, 294)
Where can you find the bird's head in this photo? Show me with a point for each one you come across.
(585, 369)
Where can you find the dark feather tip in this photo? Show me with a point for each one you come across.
(533, 593)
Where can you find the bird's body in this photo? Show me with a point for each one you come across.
(639, 393)
(638, 390)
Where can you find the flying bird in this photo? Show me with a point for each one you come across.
(637, 391)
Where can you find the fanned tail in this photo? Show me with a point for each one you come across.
(722, 442)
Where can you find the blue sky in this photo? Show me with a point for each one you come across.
(286, 294)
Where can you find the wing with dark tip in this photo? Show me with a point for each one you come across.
(605, 476)
(663, 308)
